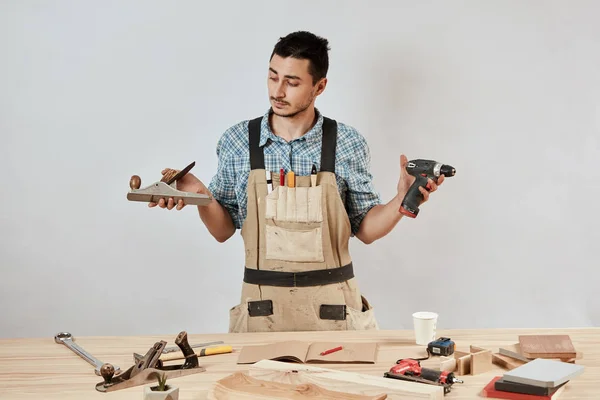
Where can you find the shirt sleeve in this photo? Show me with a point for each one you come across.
(222, 185)
(361, 195)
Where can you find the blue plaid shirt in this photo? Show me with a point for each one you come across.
(352, 166)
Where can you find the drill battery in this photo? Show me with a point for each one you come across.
(441, 347)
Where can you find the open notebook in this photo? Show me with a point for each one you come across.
(307, 352)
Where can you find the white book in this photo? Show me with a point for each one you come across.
(543, 372)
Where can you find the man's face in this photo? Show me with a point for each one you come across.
(291, 89)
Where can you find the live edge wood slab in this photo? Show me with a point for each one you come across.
(240, 386)
(38, 368)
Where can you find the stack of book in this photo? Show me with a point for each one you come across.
(539, 368)
(538, 379)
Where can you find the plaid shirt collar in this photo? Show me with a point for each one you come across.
(267, 135)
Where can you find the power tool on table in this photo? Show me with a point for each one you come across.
(443, 346)
(410, 369)
(422, 170)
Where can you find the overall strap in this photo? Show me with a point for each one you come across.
(329, 144)
(257, 158)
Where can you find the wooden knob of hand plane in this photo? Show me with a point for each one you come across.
(191, 359)
(107, 371)
(135, 182)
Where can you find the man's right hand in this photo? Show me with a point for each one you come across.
(214, 215)
(187, 183)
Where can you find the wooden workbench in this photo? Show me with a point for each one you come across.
(42, 369)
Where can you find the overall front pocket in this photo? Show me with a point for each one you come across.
(300, 244)
(296, 204)
(294, 224)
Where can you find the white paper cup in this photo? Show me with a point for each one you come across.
(425, 324)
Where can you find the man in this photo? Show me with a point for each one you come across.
(296, 223)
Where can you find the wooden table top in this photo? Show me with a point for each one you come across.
(42, 369)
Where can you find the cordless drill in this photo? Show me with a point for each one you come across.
(410, 369)
(422, 170)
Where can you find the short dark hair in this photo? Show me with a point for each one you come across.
(305, 45)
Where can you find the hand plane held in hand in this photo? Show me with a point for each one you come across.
(149, 368)
(165, 189)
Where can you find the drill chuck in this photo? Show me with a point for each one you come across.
(447, 170)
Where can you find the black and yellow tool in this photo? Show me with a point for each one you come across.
(207, 351)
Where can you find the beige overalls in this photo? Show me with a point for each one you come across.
(298, 274)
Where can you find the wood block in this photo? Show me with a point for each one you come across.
(343, 381)
(514, 351)
(476, 361)
(239, 386)
(481, 360)
(441, 363)
(506, 362)
(547, 346)
(463, 363)
(447, 364)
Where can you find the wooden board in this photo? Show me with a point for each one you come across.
(514, 351)
(477, 361)
(547, 346)
(447, 364)
(344, 381)
(481, 360)
(239, 386)
(463, 363)
(506, 362)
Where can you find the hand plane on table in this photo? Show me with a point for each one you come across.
(148, 368)
(164, 189)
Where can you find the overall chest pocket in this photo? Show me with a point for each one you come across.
(294, 224)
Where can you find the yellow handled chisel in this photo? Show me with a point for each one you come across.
(208, 351)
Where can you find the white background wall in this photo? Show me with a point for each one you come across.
(91, 93)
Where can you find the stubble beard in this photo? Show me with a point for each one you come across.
(296, 112)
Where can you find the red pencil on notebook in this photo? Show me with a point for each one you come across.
(324, 353)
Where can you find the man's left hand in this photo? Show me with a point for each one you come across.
(406, 180)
